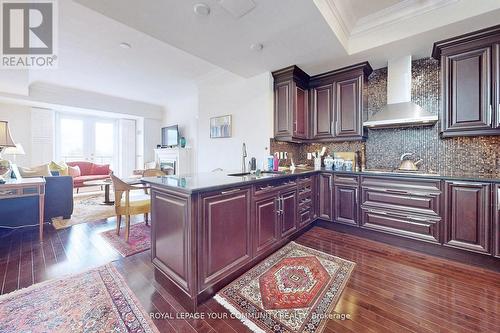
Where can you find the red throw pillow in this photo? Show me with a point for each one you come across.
(100, 169)
(74, 171)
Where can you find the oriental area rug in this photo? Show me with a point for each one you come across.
(139, 239)
(97, 300)
(293, 290)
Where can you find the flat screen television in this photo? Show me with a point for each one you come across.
(170, 136)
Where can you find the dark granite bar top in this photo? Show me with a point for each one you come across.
(212, 181)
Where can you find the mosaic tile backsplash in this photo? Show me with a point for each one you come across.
(468, 155)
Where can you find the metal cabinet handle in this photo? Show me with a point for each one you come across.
(265, 187)
(396, 191)
(490, 112)
(230, 191)
(7, 192)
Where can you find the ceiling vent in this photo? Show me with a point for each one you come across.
(237, 8)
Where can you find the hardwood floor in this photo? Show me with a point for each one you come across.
(390, 290)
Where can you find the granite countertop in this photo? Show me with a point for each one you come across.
(211, 181)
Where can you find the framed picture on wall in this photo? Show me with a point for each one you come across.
(220, 127)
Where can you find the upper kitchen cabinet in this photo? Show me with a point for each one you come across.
(470, 83)
(291, 104)
(336, 106)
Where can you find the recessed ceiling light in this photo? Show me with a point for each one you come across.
(201, 9)
(125, 45)
(256, 47)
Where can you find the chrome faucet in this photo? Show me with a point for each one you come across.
(243, 157)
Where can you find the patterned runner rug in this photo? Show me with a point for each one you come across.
(293, 290)
(139, 239)
(94, 301)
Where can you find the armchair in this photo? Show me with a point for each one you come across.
(129, 204)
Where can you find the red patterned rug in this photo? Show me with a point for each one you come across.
(94, 301)
(139, 239)
(293, 290)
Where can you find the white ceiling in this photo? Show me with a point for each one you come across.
(172, 48)
(318, 35)
(90, 58)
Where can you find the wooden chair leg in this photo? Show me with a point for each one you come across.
(146, 216)
(127, 227)
(118, 224)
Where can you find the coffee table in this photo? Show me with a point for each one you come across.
(102, 182)
(107, 184)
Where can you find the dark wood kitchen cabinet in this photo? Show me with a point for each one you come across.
(288, 212)
(266, 222)
(349, 107)
(226, 234)
(322, 112)
(496, 214)
(345, 208)
(326, 107)
(467, 216)
(496, 86)
(291, 104)
(469, 83)
(325, 205)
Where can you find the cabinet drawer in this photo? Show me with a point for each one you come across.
(305, 218)
(413, 196)
(264, 188)
(9, 193)
(408, 225)
(345, 179)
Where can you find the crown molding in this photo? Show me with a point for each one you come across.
(339, 17)
(397, 13)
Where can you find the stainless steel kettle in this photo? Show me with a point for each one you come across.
(408, 164)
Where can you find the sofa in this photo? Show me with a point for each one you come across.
(89, 171)
(18, 212)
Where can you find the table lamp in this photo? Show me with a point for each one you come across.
(5, 142)
(14, 151)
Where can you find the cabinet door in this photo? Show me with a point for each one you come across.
(283, 109)
(468, 223)
(467, 96)
(325, 196)
(266, 223)
(322, 112)
(346, 204)
(288, 212)
(349, 108)
(224, 234)
(496, 86)
(301, 114)
(496, 212)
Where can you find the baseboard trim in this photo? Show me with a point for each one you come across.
(470, 258)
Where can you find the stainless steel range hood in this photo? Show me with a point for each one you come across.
(400, 111)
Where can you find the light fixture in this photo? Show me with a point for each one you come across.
(125, 45)
(14, 151)
(201, 9)
(5, 142)
(256, 47)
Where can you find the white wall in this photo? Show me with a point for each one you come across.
(250, 102)
(19, 118)
(183, 111)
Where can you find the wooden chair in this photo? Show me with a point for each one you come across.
(130, 205)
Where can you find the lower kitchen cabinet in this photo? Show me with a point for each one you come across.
(288, 212)
(266, 223)
(225, 233)
(346, 204)
(496, 213)
(467, 216)
(325, 205)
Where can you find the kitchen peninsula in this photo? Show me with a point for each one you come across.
(210, 228)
